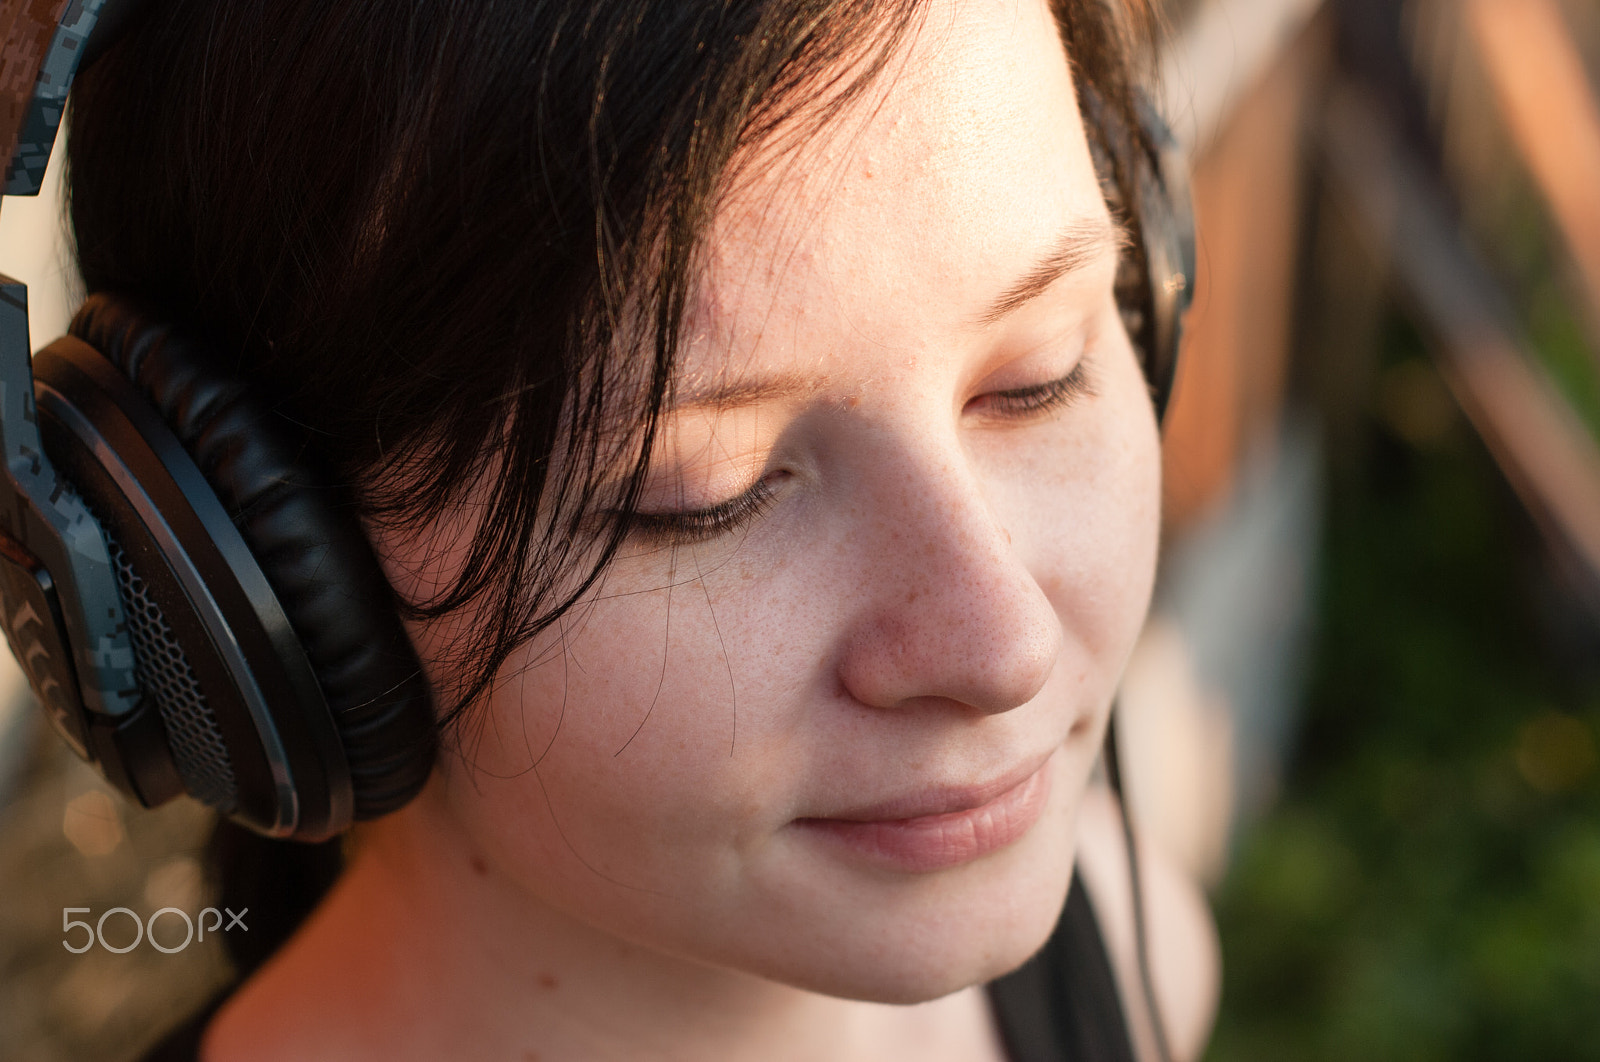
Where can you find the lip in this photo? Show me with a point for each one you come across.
(941, 828)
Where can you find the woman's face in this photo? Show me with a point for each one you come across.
(830, 715)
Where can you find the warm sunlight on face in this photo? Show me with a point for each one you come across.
(830, 716)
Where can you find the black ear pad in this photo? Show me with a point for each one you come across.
(256, 604)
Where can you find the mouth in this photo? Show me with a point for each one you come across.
(941, 828)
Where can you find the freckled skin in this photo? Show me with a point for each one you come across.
(938, 592)
(931, 598)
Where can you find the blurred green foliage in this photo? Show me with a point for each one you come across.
(1428, 887)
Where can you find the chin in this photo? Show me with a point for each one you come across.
(920, 982)
(929, 963)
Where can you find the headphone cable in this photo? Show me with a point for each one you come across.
(1141, 934)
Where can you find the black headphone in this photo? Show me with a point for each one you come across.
(198, 612)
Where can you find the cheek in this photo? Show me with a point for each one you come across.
(618, 744)
(1090, 514)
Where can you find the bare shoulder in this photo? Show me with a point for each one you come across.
(1186, 959)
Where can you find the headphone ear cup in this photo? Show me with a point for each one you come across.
(1166, 231)
(1144, 179)
(253, 591)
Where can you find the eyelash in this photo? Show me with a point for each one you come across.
(1045, 397)
(690, 526)
(698, 525)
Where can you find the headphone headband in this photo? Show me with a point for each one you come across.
(47, 47)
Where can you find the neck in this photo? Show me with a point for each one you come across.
(424, 950)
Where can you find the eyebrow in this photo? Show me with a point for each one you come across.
(745, 392)
(1083, 241)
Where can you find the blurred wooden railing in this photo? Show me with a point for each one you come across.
(1540, 444)
(1549, 107)
(1263, 101)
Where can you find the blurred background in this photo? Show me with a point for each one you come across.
(1366, 709)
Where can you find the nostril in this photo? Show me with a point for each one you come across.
(991, 656)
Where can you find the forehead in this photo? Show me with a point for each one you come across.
(894, 227)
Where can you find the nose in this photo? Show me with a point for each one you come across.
(947, 609)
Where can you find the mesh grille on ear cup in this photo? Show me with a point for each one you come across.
(165, 674)
(357, 735)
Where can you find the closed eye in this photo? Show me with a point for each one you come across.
(1038, 398)
(680, 527)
